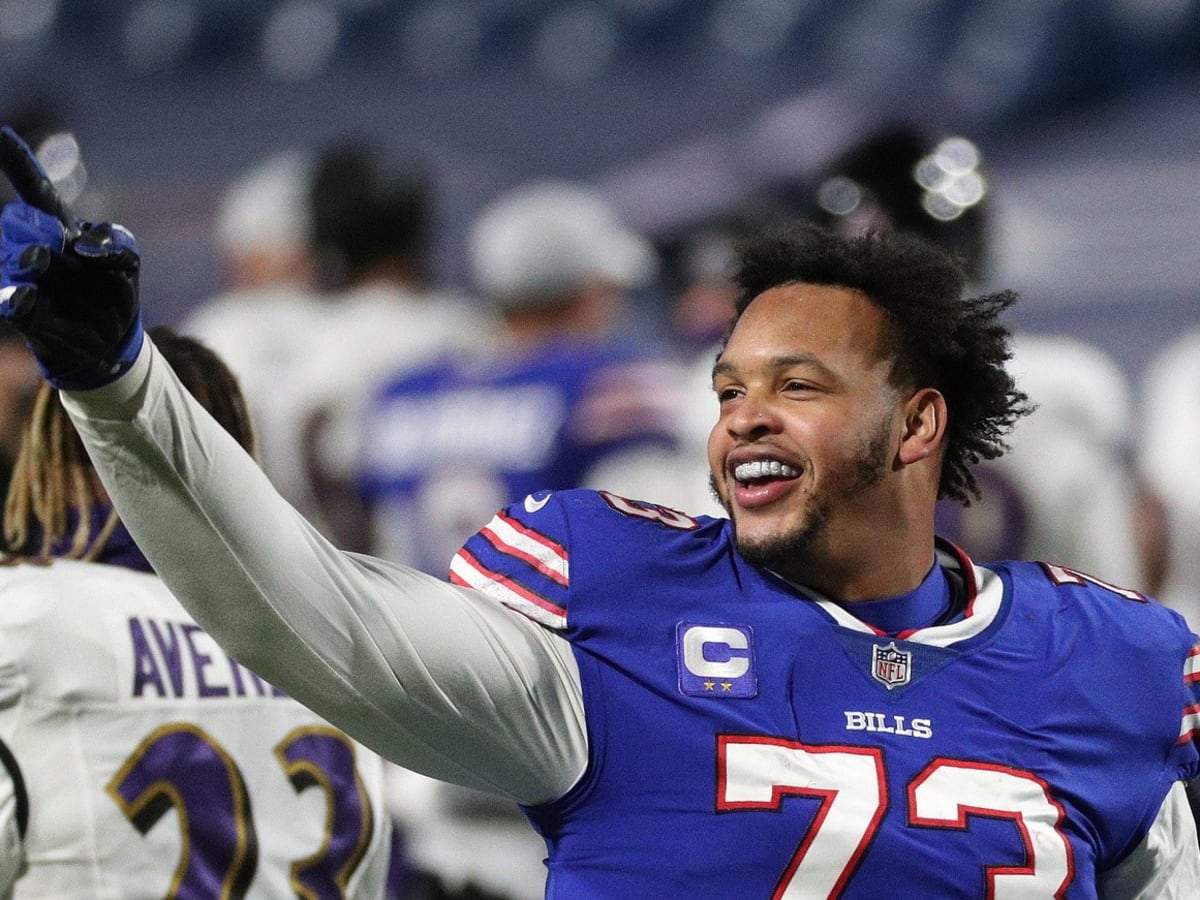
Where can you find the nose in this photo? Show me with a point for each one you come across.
(752, 416)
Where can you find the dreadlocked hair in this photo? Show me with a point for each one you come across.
(934, 334)
(54, 487)
(51, 476)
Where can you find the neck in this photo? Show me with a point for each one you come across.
(866, 578)
(868, 562)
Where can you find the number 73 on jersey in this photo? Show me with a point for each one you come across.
(756, 773)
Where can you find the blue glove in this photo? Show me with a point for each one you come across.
(70, 288)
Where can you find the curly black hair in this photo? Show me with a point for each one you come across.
(937, 337)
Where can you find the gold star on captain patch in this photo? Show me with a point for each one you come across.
(709, 685)
(727, 685)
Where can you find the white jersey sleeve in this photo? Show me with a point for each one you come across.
(1166, 865)
(436, 678)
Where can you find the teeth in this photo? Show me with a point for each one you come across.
(763, 468)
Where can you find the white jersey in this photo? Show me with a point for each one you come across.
(1065, 491)
(1171, 465)
(155, 765)
(307, 362)
(438, 678)
(372, 333)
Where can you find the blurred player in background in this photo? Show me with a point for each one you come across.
(265, 321)
(898, 178)
(383, 311)
(327, 255)
(139, 759)
(559, 399)
(699, 260)
(1066, 490)
(1170, 461)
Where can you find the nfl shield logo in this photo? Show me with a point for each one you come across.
(891, 666)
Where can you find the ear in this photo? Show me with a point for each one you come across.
(924, 425)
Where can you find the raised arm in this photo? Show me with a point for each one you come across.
(433, 677)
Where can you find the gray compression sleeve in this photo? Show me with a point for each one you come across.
(436, 678)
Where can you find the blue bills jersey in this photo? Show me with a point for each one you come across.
(446, 446)
(750, 740)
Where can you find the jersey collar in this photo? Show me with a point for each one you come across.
(977, 597)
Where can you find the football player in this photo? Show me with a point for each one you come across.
(813, 697)
(139, 759)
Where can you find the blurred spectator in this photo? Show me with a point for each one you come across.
(266, 324)
(1170, 463)
(556, 399)
(382, 313)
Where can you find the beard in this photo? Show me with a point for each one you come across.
(785, 548)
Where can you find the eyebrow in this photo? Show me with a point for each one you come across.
(721, 367)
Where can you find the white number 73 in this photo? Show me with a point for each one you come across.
(850, 783)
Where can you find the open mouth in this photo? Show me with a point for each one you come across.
(761, 481)
(763, 470)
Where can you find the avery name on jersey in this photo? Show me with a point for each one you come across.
(885, 724)
(179, 659)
